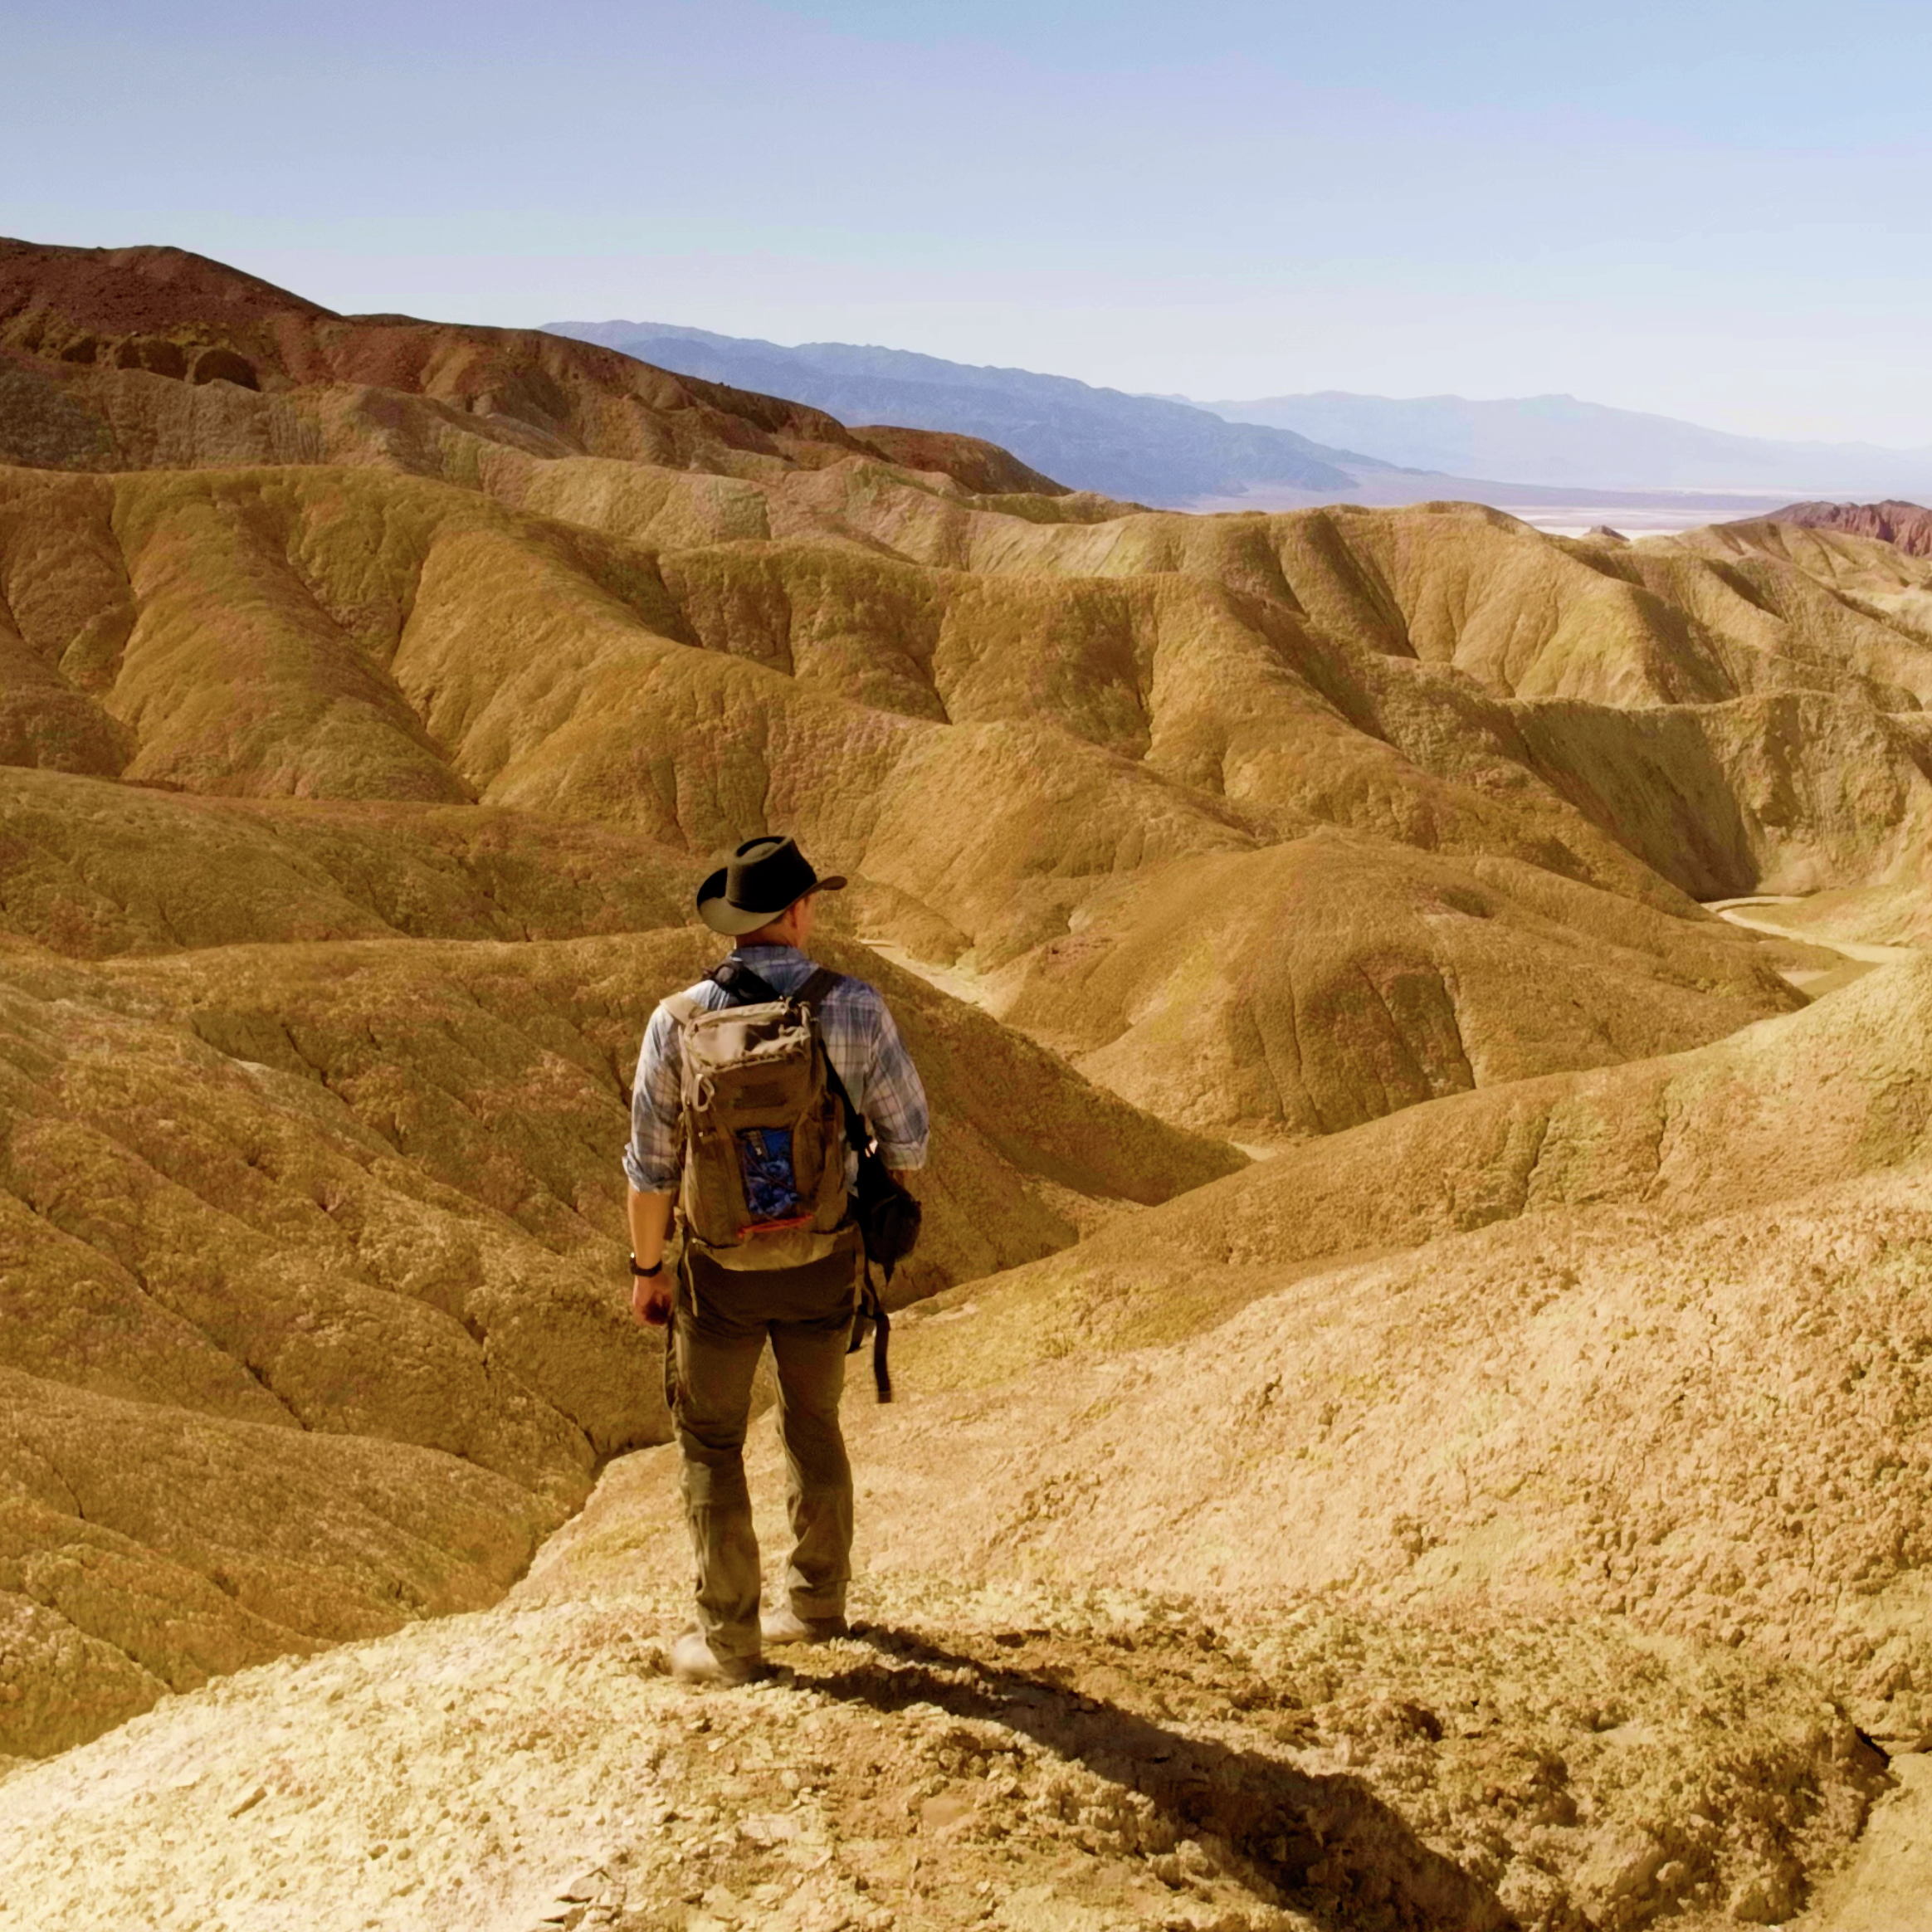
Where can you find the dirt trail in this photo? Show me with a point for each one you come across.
(960, 983)
(1859, 957)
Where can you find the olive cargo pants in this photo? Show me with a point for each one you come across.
(721, 1323)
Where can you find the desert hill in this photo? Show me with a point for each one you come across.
(1835, 1094)
(353, 1206)
(1518, 1410)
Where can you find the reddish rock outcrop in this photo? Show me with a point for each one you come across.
(1909, 526)
(81, 317)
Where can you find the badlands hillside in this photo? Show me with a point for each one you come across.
(1412, 1406)
(244, 371)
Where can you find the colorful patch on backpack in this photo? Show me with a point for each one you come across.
(771, 1182)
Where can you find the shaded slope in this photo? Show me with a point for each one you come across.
(145, 1548)
(91, 868)
(178, 1286)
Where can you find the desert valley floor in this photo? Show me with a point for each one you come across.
(1416, 1395)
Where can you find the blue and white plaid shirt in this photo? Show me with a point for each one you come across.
(860, 1037)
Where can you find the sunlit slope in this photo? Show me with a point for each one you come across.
(1453, 584)
(1738, 709)
(1853, 917)
(1836, 1092)
(1718, 1430)
(1718, 614)
(1312, 985)
(1650, 1339)
(1179, 671)
(1004, 760)
(1071, 1757)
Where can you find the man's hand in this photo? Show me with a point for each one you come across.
(650, 1299)
(649, 1217)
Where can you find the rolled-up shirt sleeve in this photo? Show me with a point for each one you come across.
(652, 1156)
(895, 1101)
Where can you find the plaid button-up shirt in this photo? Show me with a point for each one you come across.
(860, 1037)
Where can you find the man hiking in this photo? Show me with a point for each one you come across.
(750, 1088)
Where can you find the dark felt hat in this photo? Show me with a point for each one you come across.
(761, 880)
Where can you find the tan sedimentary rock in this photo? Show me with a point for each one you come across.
(1648, 1342)
(1012, 763)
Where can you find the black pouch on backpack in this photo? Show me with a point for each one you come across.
(888, 1216)
(888, 1219)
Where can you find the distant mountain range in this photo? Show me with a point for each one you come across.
(1142, 448)
(1558, 442)
(1173, 452)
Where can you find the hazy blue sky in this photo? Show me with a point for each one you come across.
(1709, 208)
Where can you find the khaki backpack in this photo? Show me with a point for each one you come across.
(763, 1184)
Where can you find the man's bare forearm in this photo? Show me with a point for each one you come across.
(650, 1216)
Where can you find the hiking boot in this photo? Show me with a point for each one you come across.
(786, 1626)
(693, 1661)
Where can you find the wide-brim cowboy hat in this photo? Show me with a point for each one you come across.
(764, 878)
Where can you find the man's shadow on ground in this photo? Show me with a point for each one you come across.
(1324, 1844)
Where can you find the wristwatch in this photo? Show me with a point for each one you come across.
(645, 1274)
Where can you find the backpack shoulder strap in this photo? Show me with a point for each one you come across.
(870, 1316)
(811, 994)
(682, 1006)
(812, 997)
